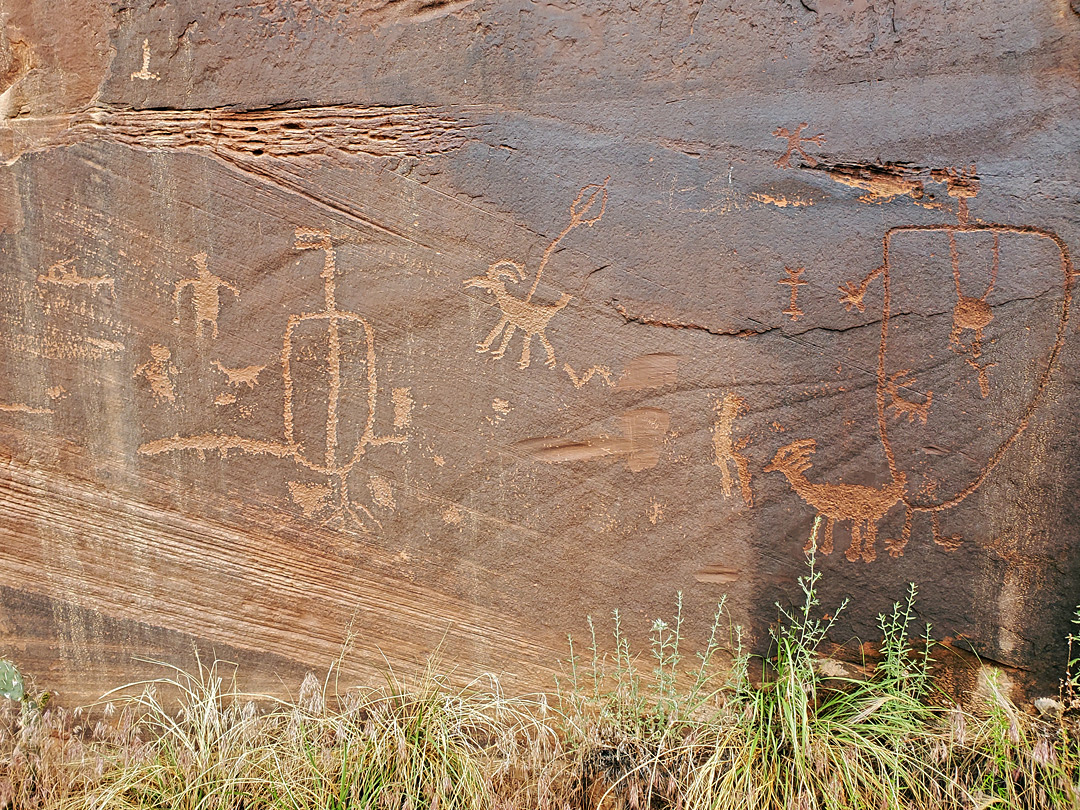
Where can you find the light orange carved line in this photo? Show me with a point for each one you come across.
(578, 209)
(60, 275)
(20, 407)
(216, 441)
(602, 371)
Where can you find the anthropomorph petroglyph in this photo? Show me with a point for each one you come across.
(158, 371)
(144, 71)
(793, 280)
(864, 506)
(522, 313)
(338, 334)
(795, 140)
(61, 275)
(972, 315)
(204, 295)
(727, 451)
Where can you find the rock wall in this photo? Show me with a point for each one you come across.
(452, 322)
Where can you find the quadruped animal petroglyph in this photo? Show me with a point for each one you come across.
(343, 341)
(862, 505)
(523, 313)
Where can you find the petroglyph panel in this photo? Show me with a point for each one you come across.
(461, 323)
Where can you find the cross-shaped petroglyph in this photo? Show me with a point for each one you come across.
(727, 451)
(204, 295)
(793, 280)
(795, 140)
(60, 275)
(522, 313)
(342, 333)
(144, 71)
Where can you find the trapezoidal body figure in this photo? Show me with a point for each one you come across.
(328, 371)
(522, 312)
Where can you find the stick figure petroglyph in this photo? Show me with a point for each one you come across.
(342, 338)
(521, 313)
(793, 280)
(795, 140)
(972, 315)
(204, 295)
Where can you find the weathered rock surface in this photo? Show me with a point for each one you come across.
(456, 321)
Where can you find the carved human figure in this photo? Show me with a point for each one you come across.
(204, 295)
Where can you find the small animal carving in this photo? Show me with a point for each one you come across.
(518, 313)
(862, 505)
(904, 407)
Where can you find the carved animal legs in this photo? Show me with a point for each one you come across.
(510, 329)
(548, 348)
(869, 553)
(526, 351)
(949, 542)
(483, 347)
(896, 547)
(827, 546)
(855, 548)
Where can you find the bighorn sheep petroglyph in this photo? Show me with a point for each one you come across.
(518, 313)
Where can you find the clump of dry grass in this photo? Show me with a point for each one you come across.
(654, 732)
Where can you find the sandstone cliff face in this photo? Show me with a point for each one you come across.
(456, 321)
